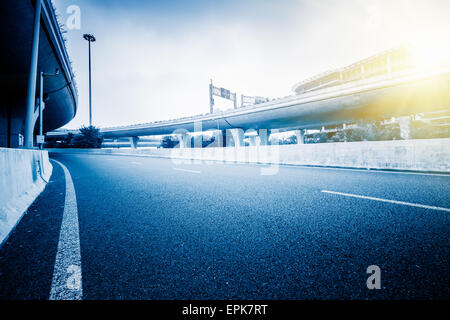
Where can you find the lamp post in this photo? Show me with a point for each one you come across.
(90, 38)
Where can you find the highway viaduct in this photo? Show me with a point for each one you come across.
(147, 228)
(398, 94)
(32, 42)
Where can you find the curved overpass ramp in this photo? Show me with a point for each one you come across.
(393, 95)
(60, 94)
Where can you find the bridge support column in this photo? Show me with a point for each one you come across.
(263, 137)
(405, 127)
(221, 138)
(238, 137)
(252, 140)
(134, 142)
(185, 140)
(31, 95)
(300, 134)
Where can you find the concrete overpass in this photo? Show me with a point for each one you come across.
(17, 70)
(389, 95)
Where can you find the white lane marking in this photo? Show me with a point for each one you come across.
(187, 170)
(138, 163)
(67, 283)
(372, 171)
(387, 200)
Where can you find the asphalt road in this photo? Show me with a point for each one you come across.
(151, 229)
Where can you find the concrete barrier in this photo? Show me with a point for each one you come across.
(430, 155)
(23, 176)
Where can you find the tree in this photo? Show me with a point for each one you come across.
(68, 139)
(291, 139)
(364, 131)
(168, 142)
(318, 137)
(89, 137)
(374, 131)
(338, 137)
(390, 132)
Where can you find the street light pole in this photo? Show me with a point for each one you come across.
(90, 38)
(41, 105)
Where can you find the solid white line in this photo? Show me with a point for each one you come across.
(369, 170)
(187, 170)
(67, 282)
(387, 200)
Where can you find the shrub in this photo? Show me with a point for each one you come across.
(89, 137)
(168, 142)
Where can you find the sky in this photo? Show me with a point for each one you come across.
(153, 60)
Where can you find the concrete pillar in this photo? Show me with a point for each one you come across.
(198, 139)
(211, 98)
(300, 134)
(252, 140)
(222, 138)
(184, 139)
(134, 142)
(344, 131)
(225, 138)
(238, 137)
(405, 127)
(31, 95)
(263, 137)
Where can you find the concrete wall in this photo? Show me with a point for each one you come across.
(23, 176)
(416, 155)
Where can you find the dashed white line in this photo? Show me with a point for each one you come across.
(418, 205)
(187, 170)
(67, 281)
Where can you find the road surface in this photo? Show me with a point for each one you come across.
(153, 229)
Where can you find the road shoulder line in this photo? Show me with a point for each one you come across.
(67, 281)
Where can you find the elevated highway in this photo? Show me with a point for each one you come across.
(60, 93)
(390, 95)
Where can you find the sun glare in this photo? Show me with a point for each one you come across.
(431, 54)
